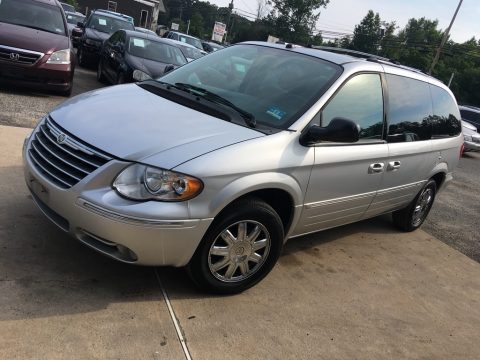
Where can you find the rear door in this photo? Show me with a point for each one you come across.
(409, 133)
(345, 177)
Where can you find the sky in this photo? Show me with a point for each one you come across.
(342, 15)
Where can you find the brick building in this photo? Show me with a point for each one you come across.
(140, 10)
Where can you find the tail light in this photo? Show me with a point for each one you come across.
(462, 149)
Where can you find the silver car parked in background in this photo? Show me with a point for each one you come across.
(216, 164)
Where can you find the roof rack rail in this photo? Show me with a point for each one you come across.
(354, 53)
(368, 57)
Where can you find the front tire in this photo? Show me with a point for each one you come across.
(82, 61)
(240, 248)
(100, 75)
(413, 216)
(120, 78)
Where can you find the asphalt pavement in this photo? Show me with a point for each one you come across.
(24, 107)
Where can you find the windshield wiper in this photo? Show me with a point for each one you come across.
(210, 96)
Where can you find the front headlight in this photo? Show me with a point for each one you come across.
(60, 57)
(467, 137)
(140, 75)
(141, 182)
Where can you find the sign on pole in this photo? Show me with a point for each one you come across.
(174, 26)
(219, 30)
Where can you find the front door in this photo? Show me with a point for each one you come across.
(345, 177)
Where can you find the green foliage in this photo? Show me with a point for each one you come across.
(71, 2)
(366, 36)
(294, 20)
(415, 46)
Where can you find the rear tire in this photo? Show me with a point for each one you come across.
(239, 249)
(412, 217)
(82, 61)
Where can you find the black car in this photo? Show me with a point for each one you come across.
(470, 114)
(135, 56)
(73, 18)
(94, 31)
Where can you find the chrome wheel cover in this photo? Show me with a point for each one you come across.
(239, 251)
(422, 206)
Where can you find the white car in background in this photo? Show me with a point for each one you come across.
(471, 137)
(190, 51)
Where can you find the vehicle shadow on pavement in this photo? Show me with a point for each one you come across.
(296, 253)
(44, 272)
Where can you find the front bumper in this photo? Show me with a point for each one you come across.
(56, 77)
(472, 145)
(144, 233)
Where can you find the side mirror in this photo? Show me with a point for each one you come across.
(168, 68)
(77, 32)
(339, 130)
(80, 25)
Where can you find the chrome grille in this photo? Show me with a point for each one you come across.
(19, 56)
(476, 139)
(61, 158)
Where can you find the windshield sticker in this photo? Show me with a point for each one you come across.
(139, 42)
(276, 113)
(102, 22)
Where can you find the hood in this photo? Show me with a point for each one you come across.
(131, 123)
(96, 35)
(152, 68)
(23, 37)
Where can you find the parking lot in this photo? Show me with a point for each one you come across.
(359, 291)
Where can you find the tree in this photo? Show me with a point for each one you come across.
(367, 35)
(294, 20)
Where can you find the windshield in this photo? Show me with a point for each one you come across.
(74, 18)
(108, 24)
(156, 51)
(190, 40)
(31, 14)
(276, 86)
(67, 7)
(191, 53)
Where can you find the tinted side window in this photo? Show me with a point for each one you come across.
(114, 38)
(410, 109)
(359, 100)
(446, 119)
(470, 115)
(122, 37)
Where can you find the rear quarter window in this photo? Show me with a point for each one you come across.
(410, 109)
(446, 119)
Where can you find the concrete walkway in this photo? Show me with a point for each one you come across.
(362, 291)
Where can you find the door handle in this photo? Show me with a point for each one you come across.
(394, 165)
(376, 168)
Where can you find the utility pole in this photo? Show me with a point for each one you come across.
(155, 13)
(444, 39)
(230, 9)
(188, 26)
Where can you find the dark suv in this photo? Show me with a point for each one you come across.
(94, 31)
(35, 49)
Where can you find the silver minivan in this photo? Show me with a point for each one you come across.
(216, 164)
